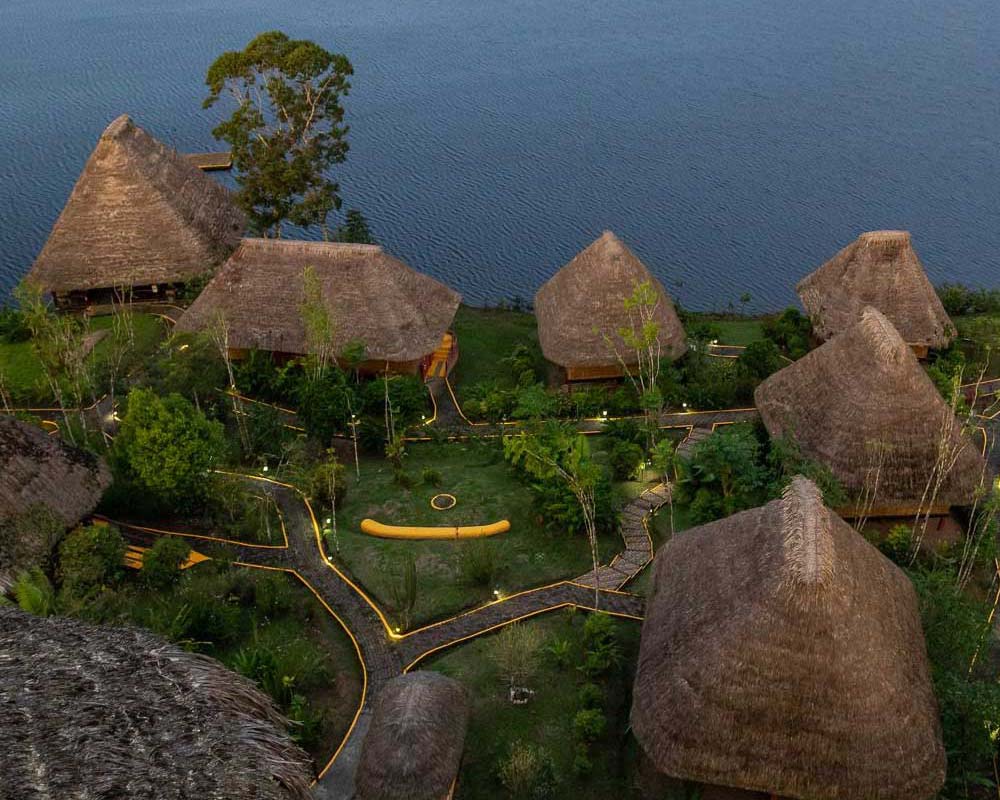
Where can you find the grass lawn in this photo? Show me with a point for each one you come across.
(739, 331)
(487, 490)
(547, 720)
(23, 375)
(485, 337)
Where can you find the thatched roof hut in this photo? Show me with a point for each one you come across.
(583, 305)
(861, 404)
(398, 313)
(879, 269)
(782, 653)
(414, 744)
(140, 215)
(94, 711)
(38, 470)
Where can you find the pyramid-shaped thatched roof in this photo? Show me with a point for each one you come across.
(861, 404)
(398, 313)
(879, 269)
(585, 301)
(41, 475)
(140, 214)
(92, 711)
(414, 744)
(783, 653)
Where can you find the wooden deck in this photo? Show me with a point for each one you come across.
(211, 161)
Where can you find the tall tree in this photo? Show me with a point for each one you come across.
(287, 129)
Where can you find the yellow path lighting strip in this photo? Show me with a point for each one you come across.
(457, 406)
(357, 649)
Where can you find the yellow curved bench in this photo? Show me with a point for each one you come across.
(373, 528)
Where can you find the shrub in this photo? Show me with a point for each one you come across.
(161, 564)
(534, 402)
(407, 397)
(34, 593)
(760, 360)
(624, 430)
(583, 766)
(791, 331)
(559, 653)
(13, 325)
(90, 558)
(327, 475)
(589, 724)
(514, 651)
(625, 458)
(590, 696)
(528, 773)
(431, 476)
(478, 563)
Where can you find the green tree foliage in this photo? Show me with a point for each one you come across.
(190, 366)
(287, 128)
(960, 300)
(90, 559)
(407, 397)
(785, 461)
(27, 539)
(34, 593)
(161, 564)
(355, 229)
(624, 458)
(760, 360)
(791, 331)
(167, 448)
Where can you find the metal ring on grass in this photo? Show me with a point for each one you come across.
(442, 502)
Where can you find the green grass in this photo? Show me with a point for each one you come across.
(25, 379)
(739, 331)
(485, 337)
(547, 720)
(487, 490)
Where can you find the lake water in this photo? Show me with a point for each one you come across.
(734, 144)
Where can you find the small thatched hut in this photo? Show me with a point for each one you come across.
(400, 316)
(782, 655)
(414, 744)
(582, 307)
(140, 216)
(92, 711)
(41, 472)
(862, 405)
(882, 270)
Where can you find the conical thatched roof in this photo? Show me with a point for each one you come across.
(585, 301)
(783, 653)
(414, 744)
(139, 214)
(41, 471)
(92, 711)
(398, 313)
(861, 404)
(879, 269)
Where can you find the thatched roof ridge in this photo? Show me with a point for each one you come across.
(414, 744)
(39, 472)
(862, 404)
(140, 214)
(95, 711)
(400, 314)
(752, 677)
(584, 302)
(880, 269)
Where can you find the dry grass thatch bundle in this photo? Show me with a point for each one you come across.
(783, 653)
(585, 301)
(90, 712)
(861, 404)
(879, 269)
(399, 314)
(414, 744)
(41, 471)
(140, 214)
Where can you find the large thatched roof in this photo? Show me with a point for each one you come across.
(398, 313)
(783, 653)
(38, 471)
(861, 404)
(879, 269)
(414, 744)
(139, 214)
(585, 301)
(92, 712)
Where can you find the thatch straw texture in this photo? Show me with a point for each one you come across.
(584, 302)
(783, 653)
(414, 744)
(38, 470)
(139, 214)
(879, 269)
(861, 404)
(398, 313)
(93, 712)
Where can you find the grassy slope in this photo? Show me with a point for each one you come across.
(546, 721)
(485, 336)
(739, 331)
(487, 491)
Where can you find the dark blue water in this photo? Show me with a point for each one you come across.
(735, 144)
